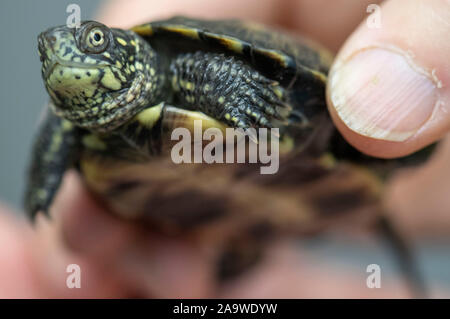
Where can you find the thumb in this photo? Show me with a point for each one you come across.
(389, 87)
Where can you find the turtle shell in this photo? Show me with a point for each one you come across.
(277, 55)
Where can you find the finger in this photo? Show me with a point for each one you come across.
(58, 268)
(84, 225)
(328, 22)
(128, 13)
(167, 268)
(388, 90)
(17, 276)
(419, 198)
(291, 273)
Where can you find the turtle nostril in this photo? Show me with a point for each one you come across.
(41, 45)
(51, 39)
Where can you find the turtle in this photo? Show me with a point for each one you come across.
(116, 97)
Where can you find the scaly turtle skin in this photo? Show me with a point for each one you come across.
(117, 94)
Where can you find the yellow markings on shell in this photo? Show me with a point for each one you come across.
(327, 160)
(275, 55)
(93, 142)
(286, 144)
(207, 88)
(319, 75)
(232, 44)
(221, 100)
(188, 32)
(132, 68)
(228, 116)
(150, 116)
(176, 117)
(118, 64)
(106, 54)
(121, 41)
(152, 71)
(143, 29)
(110, 81)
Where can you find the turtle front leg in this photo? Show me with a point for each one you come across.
(54, 151)
(227, 89)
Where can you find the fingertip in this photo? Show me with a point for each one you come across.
(128, 13)
(378, 147)
(387, 90)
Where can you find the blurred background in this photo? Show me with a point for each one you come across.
(23, 98)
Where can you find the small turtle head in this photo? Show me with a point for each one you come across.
(98, 77)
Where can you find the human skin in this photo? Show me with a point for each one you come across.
(119, 259)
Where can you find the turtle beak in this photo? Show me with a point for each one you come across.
(46, 43)
(41, 47)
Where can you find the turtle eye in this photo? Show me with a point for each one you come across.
(95, 40)
(96, 37)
